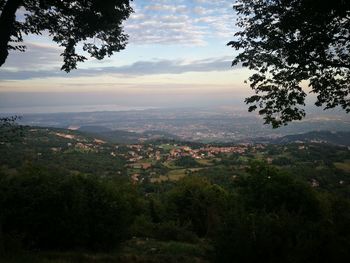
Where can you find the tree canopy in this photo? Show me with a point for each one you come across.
(288, 42)
(94, 23)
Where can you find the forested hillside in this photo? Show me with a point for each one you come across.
(77, 198)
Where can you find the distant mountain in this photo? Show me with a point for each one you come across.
(117, 136)
(125, 137)
(157, 135)
(94, 129)
(337, 138)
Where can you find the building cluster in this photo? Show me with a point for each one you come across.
(138, 153)
(79, 143)
(204, 152)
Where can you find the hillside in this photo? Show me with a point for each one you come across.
(160, 160)
(61, 149)
(126, 137)
(168, 201)
(336, 138)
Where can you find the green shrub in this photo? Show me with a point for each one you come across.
(47, 211)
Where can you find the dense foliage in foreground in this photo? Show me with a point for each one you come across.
(50, 211)
(264, 214)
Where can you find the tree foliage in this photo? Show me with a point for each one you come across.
(96, 24)
(264, 213)
(287, 42)
(196, 202)
(278, 218)
(10, 131)
(54, 211)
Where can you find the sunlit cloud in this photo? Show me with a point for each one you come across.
(37, 55)
(138, 68)
(180, 22)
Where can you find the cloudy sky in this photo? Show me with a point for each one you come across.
(177, 55)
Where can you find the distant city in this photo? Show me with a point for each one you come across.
(219, 124)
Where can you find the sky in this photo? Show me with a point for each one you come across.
(176, 56)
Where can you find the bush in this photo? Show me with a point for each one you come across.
(276, 218)
(172, 231)
(196, 203)
(63, 212)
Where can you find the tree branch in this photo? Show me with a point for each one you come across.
(7, 22)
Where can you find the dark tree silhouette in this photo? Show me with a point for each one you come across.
(287, 42)
(94, 23)
(10, 130)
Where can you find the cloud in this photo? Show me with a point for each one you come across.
(40, 56)
(180, 22)
(213, 2)
(168, 28)
(139, 68)
(167, 8)
(155, 22)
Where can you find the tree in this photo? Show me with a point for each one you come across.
(10, 131)
(196, 202)
(42, 209)
(94, 23)
(275, 217)
(287, 42)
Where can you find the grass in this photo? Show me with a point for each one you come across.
(345, 166)
(148, 160)
(243, 159)
(174, 175)
(205, 162)
(60, 257)
(159, 179)
(150, 250)
(132, 171)
(133, 251)
(167, 147)
(171, 165)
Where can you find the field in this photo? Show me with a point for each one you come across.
(175, 175)
(345, 166)
(132, 251)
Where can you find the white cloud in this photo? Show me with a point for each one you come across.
(160, 22)
(180, 22)
(140, 68)
(40, 56)
(202, 11)
(167, 8)
(164, 29)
